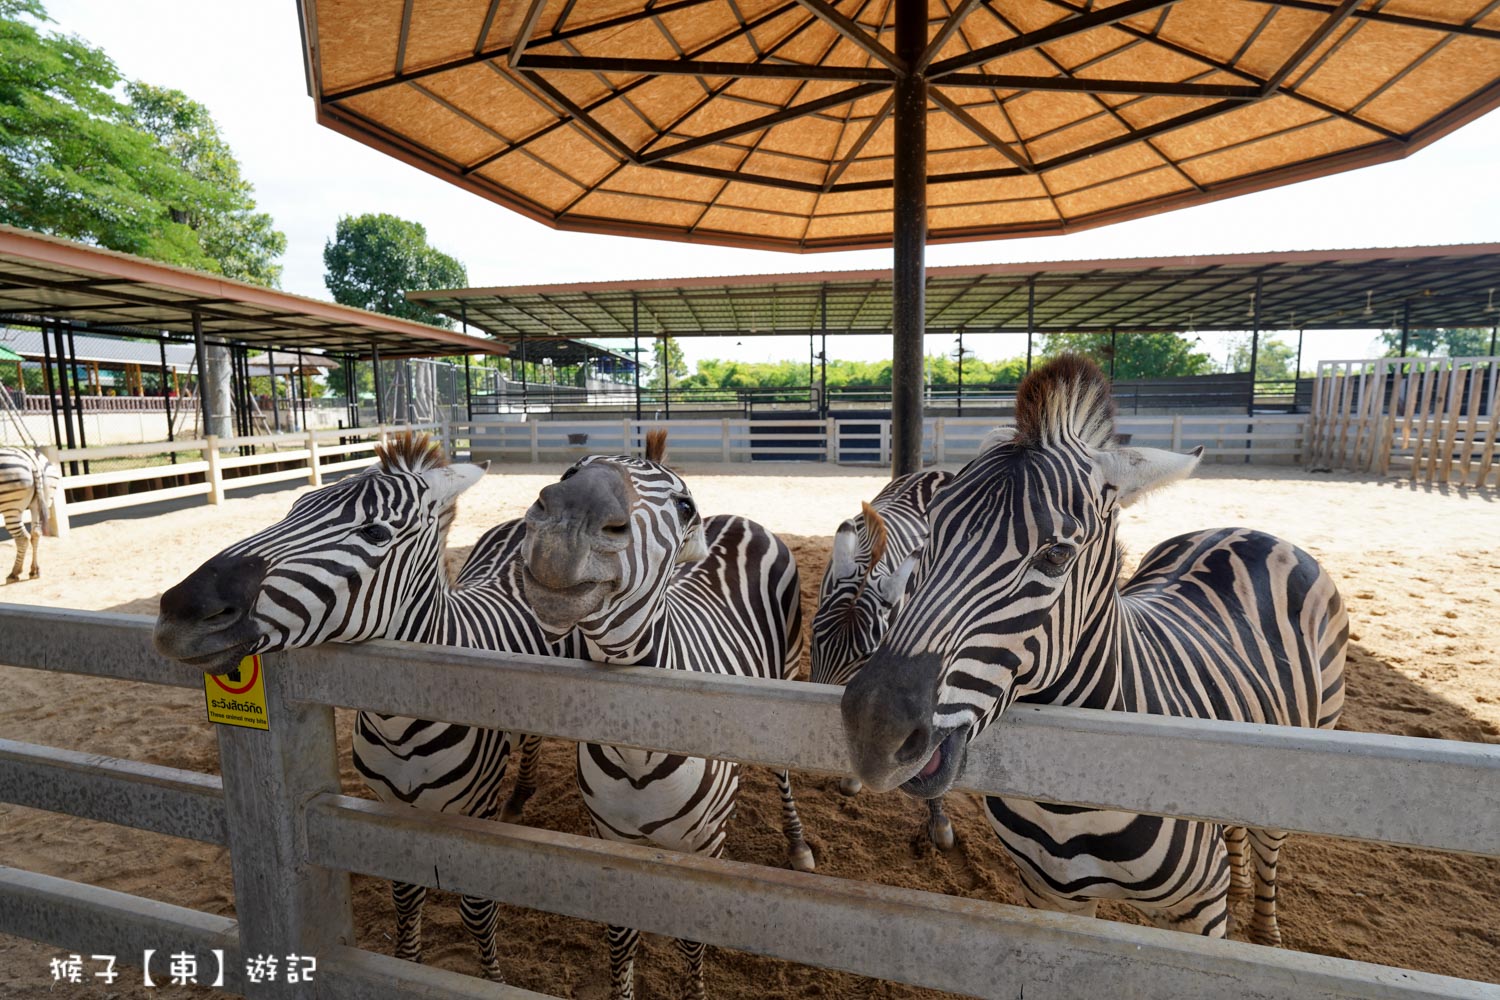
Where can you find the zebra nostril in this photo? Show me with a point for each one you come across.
(914, 747)
(617, 527)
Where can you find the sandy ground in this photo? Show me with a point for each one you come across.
(1420, 569)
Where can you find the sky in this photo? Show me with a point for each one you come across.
(244, 62)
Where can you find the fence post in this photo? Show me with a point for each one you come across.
(625, 442)
(1177, 433)
(57, 517)
(939, 430)
(534, 454)
(215, 475)
(724, 438)
(830, 442)
(284, 905)
(314, 466)
(885, 442)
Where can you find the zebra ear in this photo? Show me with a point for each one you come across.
(998, 436)
(1134, 472)
(843, 562)
(694, 547)
(892, 586)
(448, 481)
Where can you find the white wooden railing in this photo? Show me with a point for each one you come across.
(294, 837)
(313, 455)
(1274, 438)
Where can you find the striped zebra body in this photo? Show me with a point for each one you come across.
(28, 482)
(1016, 599)
(617, 556)
(363, 559)
(872, 557)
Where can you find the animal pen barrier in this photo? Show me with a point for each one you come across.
(198, 467)
(860, 440)
(1436, 417)
(293, 837)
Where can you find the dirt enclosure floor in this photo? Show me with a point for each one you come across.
(1419, 568)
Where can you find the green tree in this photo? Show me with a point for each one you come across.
(1136, 355)
(373, 260)
(1274, 359)
(243, 243)
(667, 359)
(1453, 342)
(71, 164)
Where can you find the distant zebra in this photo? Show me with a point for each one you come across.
(1016, 599)
(363, 559)
(872, 558)
(617, 554)
(28, 482)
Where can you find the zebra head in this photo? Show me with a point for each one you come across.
(861, 586)
(1014, 586)
(602, 543)
(351, 561)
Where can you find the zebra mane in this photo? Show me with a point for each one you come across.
(410, 452)
(656, 446)
(1069, 396)
(875, 528)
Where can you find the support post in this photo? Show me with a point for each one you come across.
(525, 403)
(468, 391)
(52, 400)
(275, 411)
(379, 392)
(1297, 370)
(1494, 332)
(200, 357)
(302, 390)
(908, 284)
(960, 386)
(635, 333)
(1113, 349)
(166, 395)
(666, 373)
(823, 355)
(1405, 325)
(215, 473)
(1030, 318)
(1254, 352)
(83, 437)
(285, 906)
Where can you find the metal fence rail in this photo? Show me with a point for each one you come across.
(293, 836)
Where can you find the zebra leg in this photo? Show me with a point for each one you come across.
(1239, 864)
(18, 534)
(791, 824)
(693, 951)
(1265, 848)
(939, 826)
(36, 550)
(408, 899)
(528, 755)
(480, 916)
(623, 942)
(850, 786)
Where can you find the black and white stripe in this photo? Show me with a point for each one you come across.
(361, 559)
(716, 595)
(872, 557)
(28, 482)
(1015, 599)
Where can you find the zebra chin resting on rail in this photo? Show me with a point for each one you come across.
(363, 559)
(1016, 599)
(617, 556)
(28, 481)
(873, 556)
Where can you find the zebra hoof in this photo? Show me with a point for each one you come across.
(492, 972)
(850, 786)
(940, 832)
(515, 805)
(13, 578)
(35, 573)
(801, 857)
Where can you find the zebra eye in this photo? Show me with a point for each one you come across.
(685, 508)
(377, 534)
(1054, 558)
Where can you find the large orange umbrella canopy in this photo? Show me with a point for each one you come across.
(768, 123)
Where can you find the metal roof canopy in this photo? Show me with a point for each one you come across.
(1424, 287)
(797, 125)
(43, 278)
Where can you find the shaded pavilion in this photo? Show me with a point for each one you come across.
(813, 125)
(1398, 288)
(63, 288)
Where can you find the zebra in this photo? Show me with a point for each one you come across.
(360, 559)
(28, 481)
(617, 555)
(873, 555)
(1016, 599)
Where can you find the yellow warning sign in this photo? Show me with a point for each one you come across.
(238, 698)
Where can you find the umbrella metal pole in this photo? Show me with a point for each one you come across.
(908, 284)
